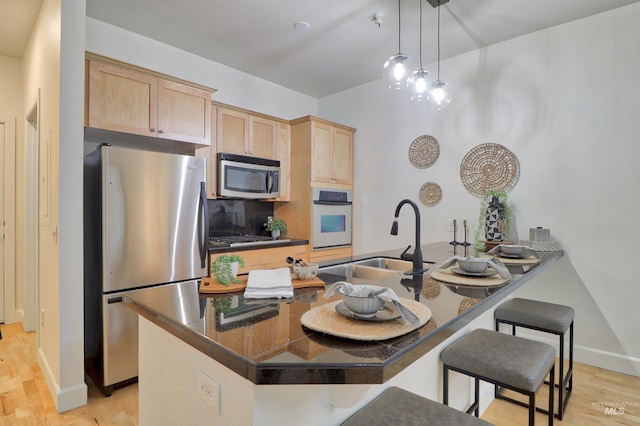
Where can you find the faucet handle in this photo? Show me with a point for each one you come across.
(405, 255)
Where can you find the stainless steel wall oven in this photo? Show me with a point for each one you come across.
(331, 216)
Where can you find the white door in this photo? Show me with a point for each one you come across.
(2, 218)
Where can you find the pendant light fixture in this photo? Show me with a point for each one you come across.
(418, 80)
(395, 70)
(439, 96)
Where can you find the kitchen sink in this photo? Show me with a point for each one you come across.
(364, 270)
(386, 263)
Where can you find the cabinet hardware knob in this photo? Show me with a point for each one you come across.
(153, 130)
(162, 131)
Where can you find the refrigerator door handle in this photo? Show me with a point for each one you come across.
(204, 233)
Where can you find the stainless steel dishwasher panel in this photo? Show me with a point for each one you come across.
(120, 340)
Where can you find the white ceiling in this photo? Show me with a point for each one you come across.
(341, 49)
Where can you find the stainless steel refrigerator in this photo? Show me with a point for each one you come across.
(145, 224)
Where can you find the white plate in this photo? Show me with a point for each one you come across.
(511, 256)
(388, 312)
(485, 273)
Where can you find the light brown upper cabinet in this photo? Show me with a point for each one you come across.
(243, 133)
(331, 151)
(209, 154)
(242, 129)
(126, 100)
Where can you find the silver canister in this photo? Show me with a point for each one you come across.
(539, 234)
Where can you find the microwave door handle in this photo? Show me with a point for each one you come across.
(270, 182)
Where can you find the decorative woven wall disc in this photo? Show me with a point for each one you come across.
(424, 151)
(489, 166)
(430, 194)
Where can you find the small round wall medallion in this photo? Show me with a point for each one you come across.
(430, 194)
(424, 151)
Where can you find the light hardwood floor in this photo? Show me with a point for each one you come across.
(24, 399)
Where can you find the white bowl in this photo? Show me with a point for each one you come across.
(473, 265)
(305, 272)
(511, 250)
(362, 305)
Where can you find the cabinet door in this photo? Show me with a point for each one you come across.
(342, 156)
(262, 137)
(122, 100)
(321, 157)
(232, 132)
(209, 154)
(284, 156)
(184, 113)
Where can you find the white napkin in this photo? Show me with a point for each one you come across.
(495, 263)
(269, 283)
(528, 251)
(383, 293)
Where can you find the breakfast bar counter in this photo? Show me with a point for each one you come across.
(263, 348)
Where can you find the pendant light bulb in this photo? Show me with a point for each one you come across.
(439, 95)
(418, 83)
(395, 71)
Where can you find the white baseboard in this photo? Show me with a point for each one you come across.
(595, 357)
(20, 316)
(64, 399)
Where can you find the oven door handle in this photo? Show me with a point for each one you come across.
(332, 203)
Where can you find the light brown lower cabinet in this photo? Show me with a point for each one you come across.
(269, 258)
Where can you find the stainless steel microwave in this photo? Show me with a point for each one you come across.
(243, 176)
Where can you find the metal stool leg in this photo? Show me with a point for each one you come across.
(445, 385)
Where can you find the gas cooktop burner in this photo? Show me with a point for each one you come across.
(242, 240)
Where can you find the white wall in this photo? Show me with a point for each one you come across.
(53, 66)
(565, 102)
(233, 87)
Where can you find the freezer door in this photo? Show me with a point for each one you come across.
(120, 344)
(154, 218)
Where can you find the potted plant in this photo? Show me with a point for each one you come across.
(225, 268)
(276, 226)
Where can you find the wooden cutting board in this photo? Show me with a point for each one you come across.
(211, 285)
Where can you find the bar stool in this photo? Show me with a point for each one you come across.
(399, 407)
(507, 361)
(548, 318)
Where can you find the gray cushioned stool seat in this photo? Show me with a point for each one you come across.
(542, 315)
(506, 361)
(511, 360)
(397, 407)
(548, 318)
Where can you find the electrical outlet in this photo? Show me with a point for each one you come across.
(209, 391)
(451, 225)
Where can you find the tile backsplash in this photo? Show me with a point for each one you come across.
(238, 217)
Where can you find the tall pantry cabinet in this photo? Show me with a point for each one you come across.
(322, 156)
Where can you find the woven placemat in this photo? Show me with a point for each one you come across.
(326, 319)
(488, 167)
(529, 261)
(447, 276)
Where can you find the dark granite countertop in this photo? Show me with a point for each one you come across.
(264, 342)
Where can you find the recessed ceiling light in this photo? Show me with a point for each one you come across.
(302, 26)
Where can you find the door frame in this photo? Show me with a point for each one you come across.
(31, 273)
